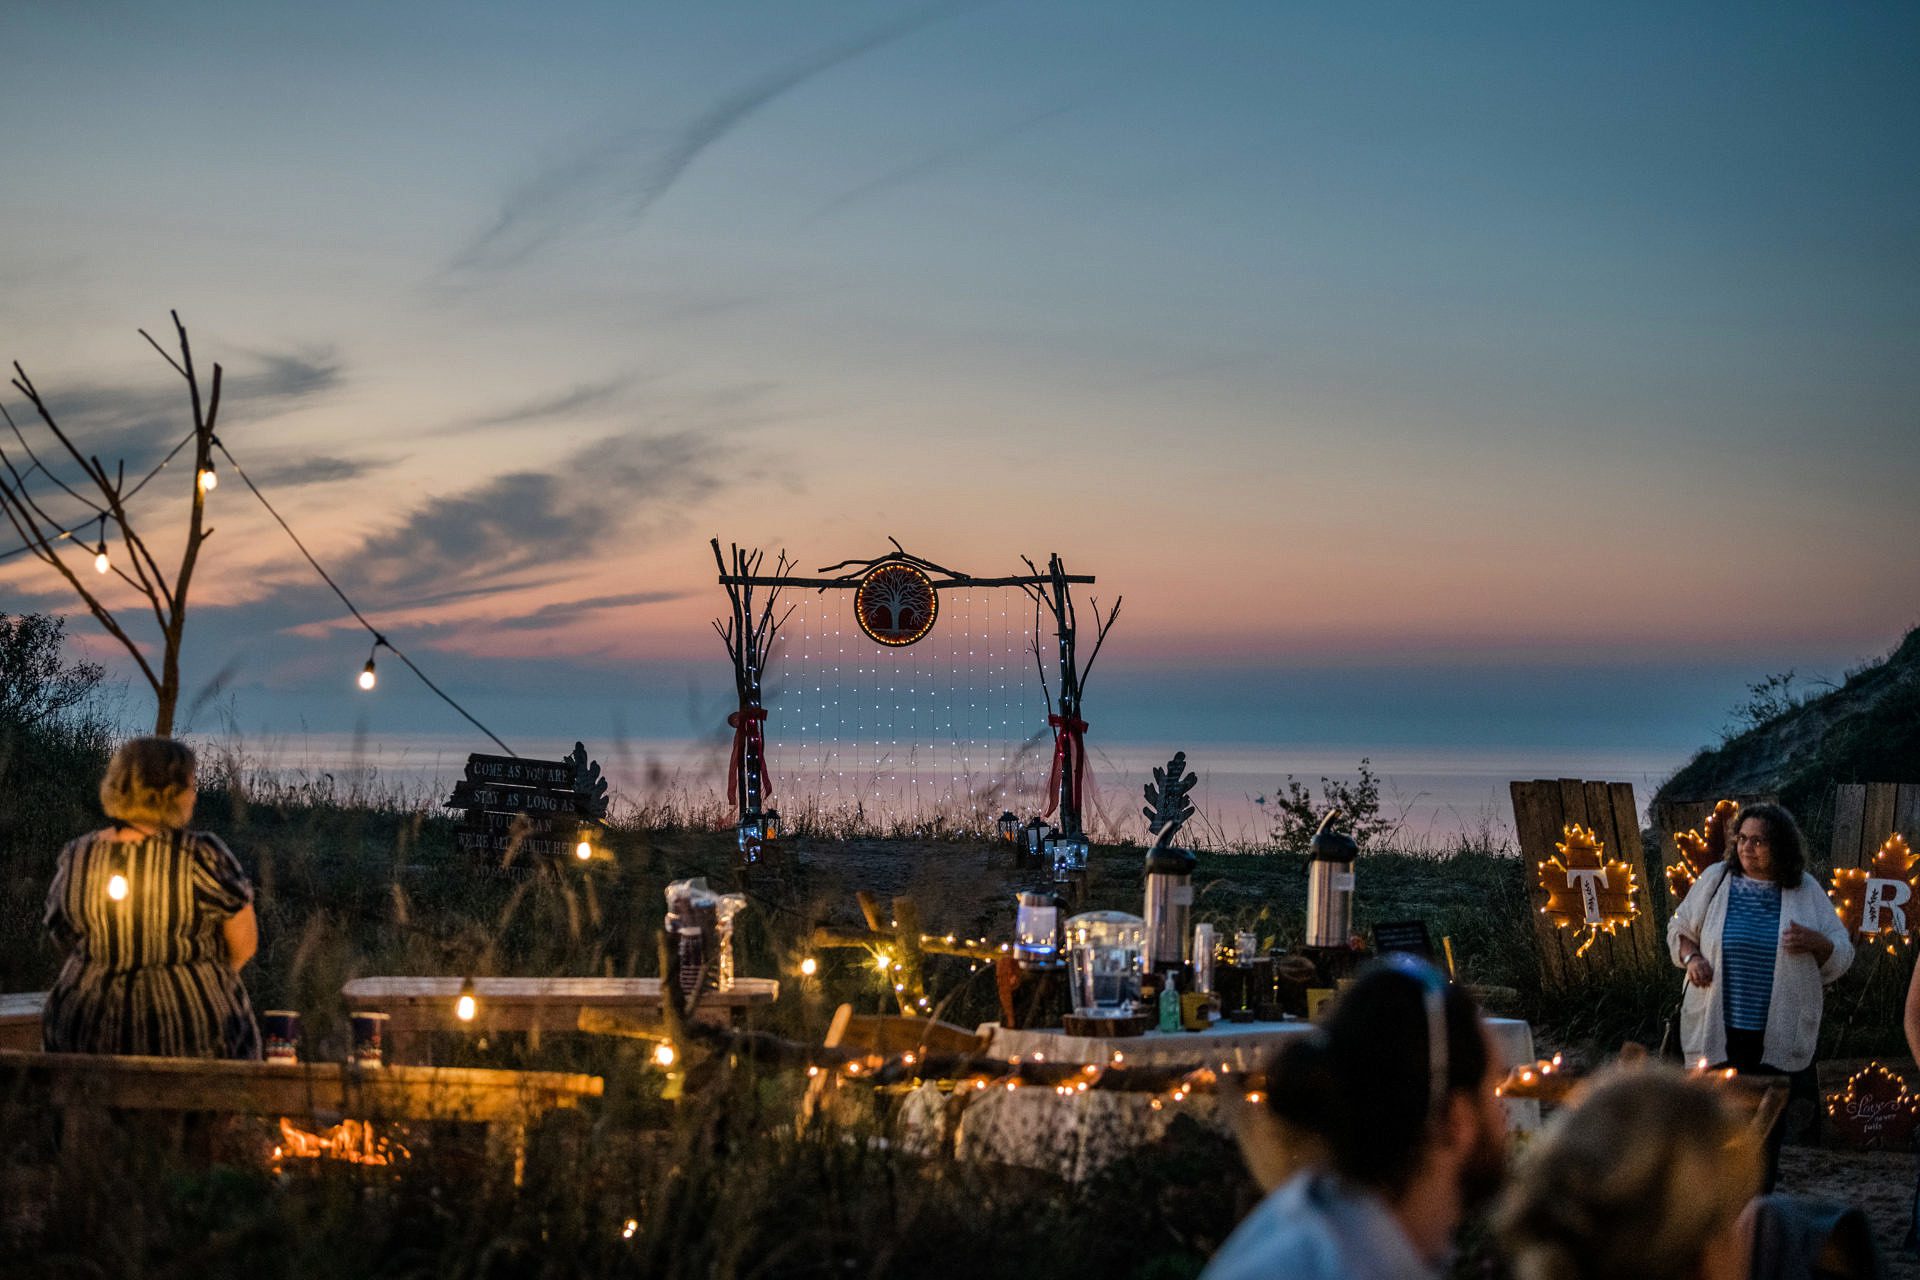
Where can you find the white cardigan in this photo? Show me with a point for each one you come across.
(1793, 1013)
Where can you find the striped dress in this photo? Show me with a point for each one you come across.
(1749, 945)
(147, 972)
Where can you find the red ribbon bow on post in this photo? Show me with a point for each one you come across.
(1069, 740)
(745, 724)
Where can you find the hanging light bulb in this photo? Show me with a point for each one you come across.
(367, 677)
(209, 478)
(117, 887)
(466, 1004)
(100, 562)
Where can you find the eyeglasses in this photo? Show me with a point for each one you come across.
(1433, 998)
(1752, 842)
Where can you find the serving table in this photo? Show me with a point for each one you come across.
(416, 1006)
(1077, 1133)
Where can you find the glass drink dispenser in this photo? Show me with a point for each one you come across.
(1104, 953)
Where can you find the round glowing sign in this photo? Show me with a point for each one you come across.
(896, 604)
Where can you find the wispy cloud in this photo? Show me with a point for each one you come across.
(138, 425)
(567, 611)
(575, 400)
(615, 492)
(628, 173)
(292, 473)
(945, 158)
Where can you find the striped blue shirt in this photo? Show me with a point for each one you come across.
(1748, 945)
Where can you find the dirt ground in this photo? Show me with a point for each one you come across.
(1881, 1182)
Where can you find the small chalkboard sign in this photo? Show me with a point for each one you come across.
(538, 809)
(1403, 935)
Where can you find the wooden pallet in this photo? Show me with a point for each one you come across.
(1542, 809)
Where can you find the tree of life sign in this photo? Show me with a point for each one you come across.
(923, 712)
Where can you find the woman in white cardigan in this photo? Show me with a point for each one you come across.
(1760, 942)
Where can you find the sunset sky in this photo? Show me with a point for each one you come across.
(1441, 375)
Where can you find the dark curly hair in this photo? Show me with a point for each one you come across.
(1789, 847)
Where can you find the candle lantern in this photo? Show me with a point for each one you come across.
(1036, 832)
(770, 826)
(1330, 885)
(1009, 828)
(1103, 952)
(1036, 931)
(1068, 854)
(752, 833)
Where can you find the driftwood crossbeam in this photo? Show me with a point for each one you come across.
(939, 584)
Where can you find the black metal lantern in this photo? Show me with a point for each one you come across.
(1009, 828)
(1034, 847)
(770, 825)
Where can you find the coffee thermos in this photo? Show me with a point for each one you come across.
(1169, 902)
(1330, 885)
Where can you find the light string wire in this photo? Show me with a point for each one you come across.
(68, 532)
(379, 641)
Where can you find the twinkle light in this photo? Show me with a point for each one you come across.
(663, 1055)
(628, 1228)
(117, 887)
(809, 967)
(583, 850)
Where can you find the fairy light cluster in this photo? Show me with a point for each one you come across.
(1875, 1106)
(1586, 891)
(1854, 891)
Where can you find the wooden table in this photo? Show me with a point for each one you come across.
(87, 1086)
(20, 1019)
(416, 1006)
(1080, 1133)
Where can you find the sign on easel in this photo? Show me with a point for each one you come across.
(539, 809)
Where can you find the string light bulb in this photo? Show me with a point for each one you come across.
(209, 478)
(663, 1054)
(367, 677)
(583, 850)
(117, 887)
(466, 1004)
(809, 967)
(100, 561)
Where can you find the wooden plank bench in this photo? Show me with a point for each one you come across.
(86, 1087)
(417, 1006)
(20, 1019)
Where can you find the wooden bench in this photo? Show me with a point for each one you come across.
(86, 1087)
(20, 1019)
(417, 1006)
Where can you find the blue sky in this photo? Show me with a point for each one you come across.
(1471, 374)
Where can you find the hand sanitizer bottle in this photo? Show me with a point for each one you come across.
(1169, 1004)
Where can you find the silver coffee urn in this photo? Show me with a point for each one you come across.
(1169, 903)
(1330, 885)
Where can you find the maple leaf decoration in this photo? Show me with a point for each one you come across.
(1892, 861)
(1874, 1110)
(1699, 851)
(1587, 891)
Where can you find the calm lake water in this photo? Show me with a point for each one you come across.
(1438, 795)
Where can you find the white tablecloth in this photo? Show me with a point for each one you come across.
(1075, 1135)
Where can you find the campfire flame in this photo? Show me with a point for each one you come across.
(354, 1141)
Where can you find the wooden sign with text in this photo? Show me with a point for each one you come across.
(535, 810)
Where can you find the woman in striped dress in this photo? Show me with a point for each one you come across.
(157, 922)
(1760, 943)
